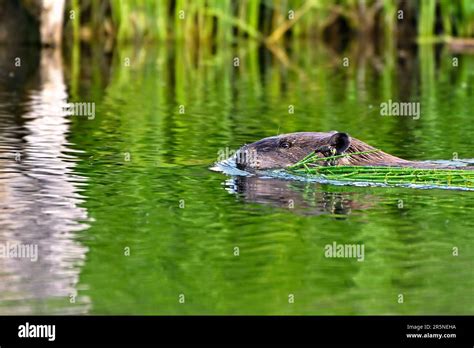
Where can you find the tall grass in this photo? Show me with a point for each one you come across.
(224, 20)
(427, 18)
(76, 47)
(463, 14)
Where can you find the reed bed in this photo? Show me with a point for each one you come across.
(312, 165)
(275, 20)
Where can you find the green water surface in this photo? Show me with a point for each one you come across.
(158, 224)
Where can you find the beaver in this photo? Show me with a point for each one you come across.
(279, 152)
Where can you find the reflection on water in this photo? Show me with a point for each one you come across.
(40, 198)
(304, 198)
(136, 177)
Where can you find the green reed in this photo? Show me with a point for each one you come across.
(312, 165)
(262, 19)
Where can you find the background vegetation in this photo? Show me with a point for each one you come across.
(269, 20)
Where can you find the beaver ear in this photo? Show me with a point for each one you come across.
(340, 141)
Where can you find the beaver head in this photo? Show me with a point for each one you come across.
(284, 150)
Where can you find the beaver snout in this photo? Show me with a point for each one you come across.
(246, 157)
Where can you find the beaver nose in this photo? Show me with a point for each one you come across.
(239, 165)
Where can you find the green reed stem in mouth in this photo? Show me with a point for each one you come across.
(312, 157)
(310, 166)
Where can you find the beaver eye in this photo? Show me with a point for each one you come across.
(285, 144)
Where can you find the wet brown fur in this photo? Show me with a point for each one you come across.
(273, 153)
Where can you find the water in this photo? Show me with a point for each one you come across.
(128, 217)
